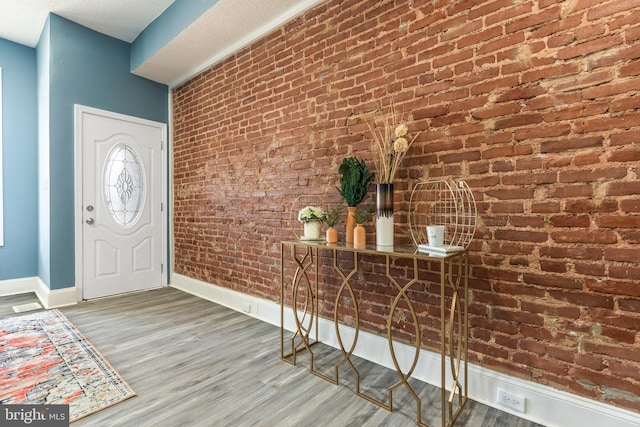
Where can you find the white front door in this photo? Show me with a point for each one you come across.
(121, 203)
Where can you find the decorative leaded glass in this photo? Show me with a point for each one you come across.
(124, 187)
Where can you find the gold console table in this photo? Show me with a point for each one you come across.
(452, 270)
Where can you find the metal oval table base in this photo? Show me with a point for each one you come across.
(452, 271)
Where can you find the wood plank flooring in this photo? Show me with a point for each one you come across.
(195, 363)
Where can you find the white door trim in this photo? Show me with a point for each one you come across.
(79, 111)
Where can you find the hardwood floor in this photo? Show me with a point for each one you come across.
(195, 363)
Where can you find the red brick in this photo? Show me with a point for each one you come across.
(622, 221)
(554, 130)
(579, 221)
(518, 317)
(533, 19)
(622, 254)
(629, 304)
(623, 105)
(625, 272)
(623, 188)
(545, 207)
(593, 175)
(590, 269)
(534, 346)
(534, 361)
(564, 354)
(506, 151)
(588, 237)
(625, 370)
(552, 310)
(553, 266)
(552, 281)
(510, 193)
(613, 350)
(616, 319)
(590, 362)
(612, 89)
(484, 87)
(570, 144)
(496, 110)
(535, 108)
(614, 123)
(579, 190)
(518, 121)
(583, 299)
(611, 8)
(615, 287)
(502, 166)
(527, 221)
(531, 178)
(589, 47)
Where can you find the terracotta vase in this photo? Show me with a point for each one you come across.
(351, 223)
(332, 235)
(359, 236)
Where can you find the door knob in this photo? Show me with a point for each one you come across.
(90, 221)
(90, 208)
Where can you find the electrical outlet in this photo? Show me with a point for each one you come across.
(511, 401)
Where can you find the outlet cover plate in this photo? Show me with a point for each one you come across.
(511, 401)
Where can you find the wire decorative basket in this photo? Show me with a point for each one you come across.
(450, 206)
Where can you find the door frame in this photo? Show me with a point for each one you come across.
(79, 112)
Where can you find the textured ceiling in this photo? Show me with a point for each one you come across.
(226, 27)
(22, 21)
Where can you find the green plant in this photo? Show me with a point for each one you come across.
(333, 216)
(364, 213)
(354, 180)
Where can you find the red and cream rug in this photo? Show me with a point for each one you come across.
(44, 359)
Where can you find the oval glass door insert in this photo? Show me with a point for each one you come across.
(124, 186)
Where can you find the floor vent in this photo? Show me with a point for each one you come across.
(27, 307)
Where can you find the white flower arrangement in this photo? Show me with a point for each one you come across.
(310, 213)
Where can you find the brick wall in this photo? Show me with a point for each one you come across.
(534, 103)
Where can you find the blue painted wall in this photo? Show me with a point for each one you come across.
(18, 256)
(90, 69)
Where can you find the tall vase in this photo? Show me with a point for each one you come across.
(351, 223)
(384, 215)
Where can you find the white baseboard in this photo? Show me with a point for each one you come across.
(57, 297)
(18, 286)
(48, 298)
(543, 404)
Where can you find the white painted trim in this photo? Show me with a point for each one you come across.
(544, 405)
(170, 193)
(254, 307)
(79, 110)
(48, 298)
(18, 286)
(57, 297)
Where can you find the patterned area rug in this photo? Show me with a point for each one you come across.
(44, 359)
